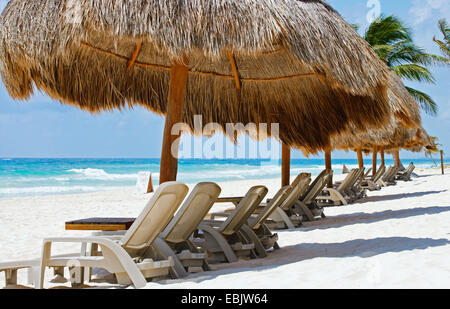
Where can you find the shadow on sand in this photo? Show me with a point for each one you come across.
(367, 218)
(397, 196)
(292, 254)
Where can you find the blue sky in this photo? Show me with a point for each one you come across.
(45, 128)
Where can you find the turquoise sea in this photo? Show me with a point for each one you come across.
(32, 177)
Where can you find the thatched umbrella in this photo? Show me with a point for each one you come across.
(293, 62)
(389, 140)
(374, 140)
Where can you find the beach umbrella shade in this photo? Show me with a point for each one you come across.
(366, 141)
(292, 62)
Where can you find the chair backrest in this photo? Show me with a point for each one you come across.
(367, 173)
(352, 176)
(388, 173)
(275, 202)
(359, 177)
(300, 178)
(391, 176)
(409, 170)
(192, 212)
(315, 181)
(298, 189)
(316, 187)
(155, 216)
(379, 173)
(243, 210)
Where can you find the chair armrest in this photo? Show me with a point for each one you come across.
(124, 258)
(234, 200)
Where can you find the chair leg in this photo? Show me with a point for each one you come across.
(11, 277)
(259, 248)
(305, 210)
(164, 249)
(212, 235)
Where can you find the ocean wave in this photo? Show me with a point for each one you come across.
(54, 189)
(100, 174)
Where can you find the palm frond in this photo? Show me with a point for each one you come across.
(445, 29)
(386, 31)
(414, 72)
(445, 44)
(425, 101)
(383, 51)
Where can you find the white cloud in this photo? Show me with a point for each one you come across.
(423, 10)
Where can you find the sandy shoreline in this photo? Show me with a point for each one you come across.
(397, 237)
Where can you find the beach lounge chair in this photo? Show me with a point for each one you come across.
(256, 230)
(371, 183)
(366, 175)
(257, 221)
(405, 175)
(355, 191)
(175, 240)
(285, 216)
(11, 268)
(307, 206)
(128, 256)
(223, 240)
(338, 195)
(388, 178)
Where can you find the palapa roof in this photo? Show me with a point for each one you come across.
(293, 62)
(394, 134)
(392, 137)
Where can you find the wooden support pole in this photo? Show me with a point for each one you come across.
(328, 167)
(174, 112)
(360, 160)
(382, 155)
(397, 158)
(442, 161)
(285, 165)
(374, 160)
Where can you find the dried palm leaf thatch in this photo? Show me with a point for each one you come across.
(405, 109)
(293, 62)
(392, 138)
(410, 139)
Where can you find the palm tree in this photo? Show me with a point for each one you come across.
(445, 44)
(392, 41)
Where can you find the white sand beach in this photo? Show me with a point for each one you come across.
(398, 237)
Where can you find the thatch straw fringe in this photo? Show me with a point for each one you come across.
(393, 137)
(298, 62)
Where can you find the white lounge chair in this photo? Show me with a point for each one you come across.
(355, 191)
(256, 230)
(284, 216)
(307, 205)
(11, 268)
(175, 240)
(388, 178)
(405, 175)
(127, 256)
(371, 183)
(338, 195)
(223, 240)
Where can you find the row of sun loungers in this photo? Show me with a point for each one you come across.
(355, 185)
(171, 236)
(163, 241)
